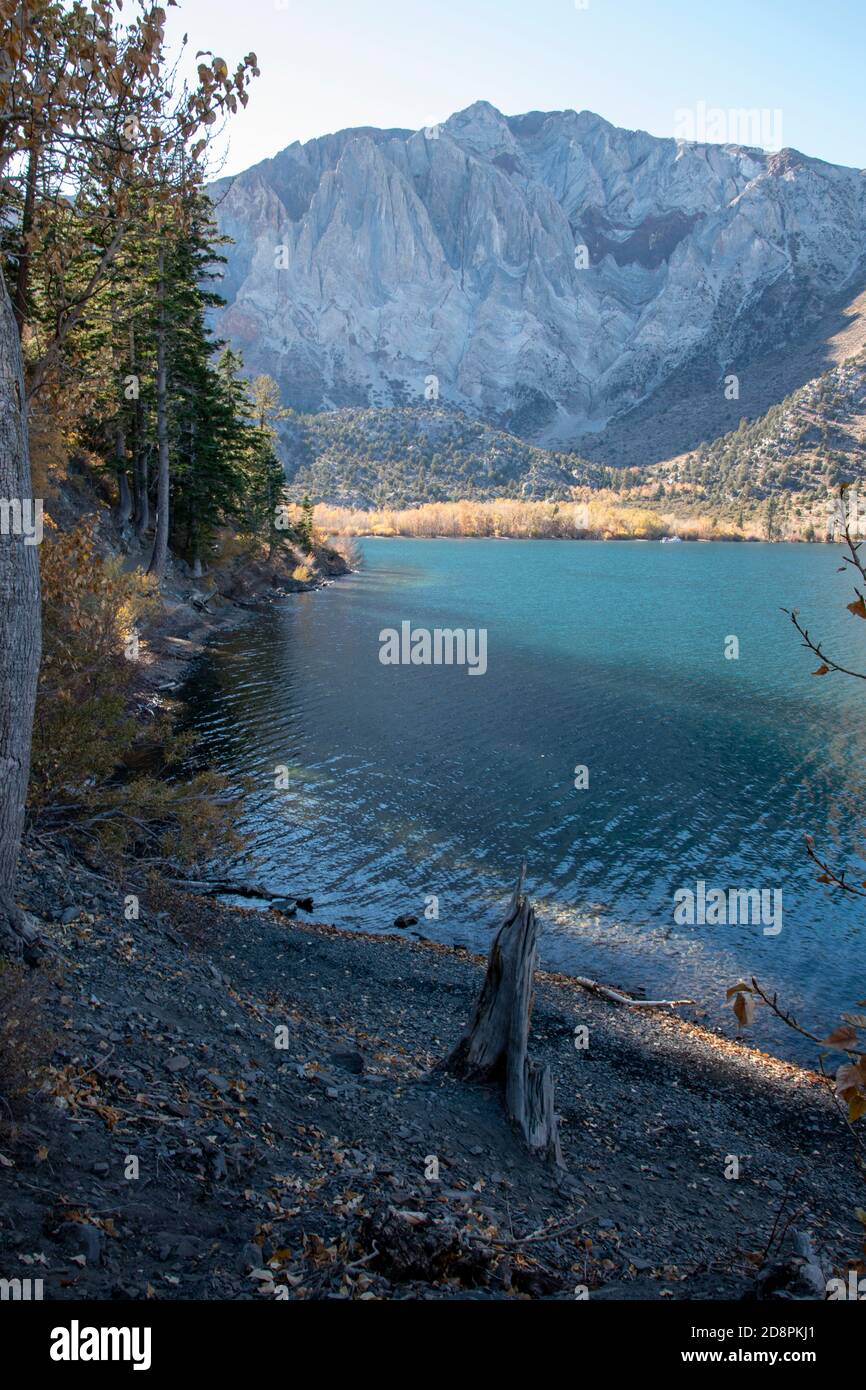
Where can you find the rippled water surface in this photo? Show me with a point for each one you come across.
(407, 782)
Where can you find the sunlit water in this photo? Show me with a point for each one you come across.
(412, 782)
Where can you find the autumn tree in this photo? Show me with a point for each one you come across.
(88, 116)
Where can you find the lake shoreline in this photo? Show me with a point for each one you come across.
(276, 1171)
(613, 658)
(190, 620)
(275, 1081)
(632, 540)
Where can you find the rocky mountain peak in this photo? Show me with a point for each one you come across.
(545, 272)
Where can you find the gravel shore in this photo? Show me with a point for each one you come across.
(241, 1105)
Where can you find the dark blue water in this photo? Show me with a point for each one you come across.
(410, 782)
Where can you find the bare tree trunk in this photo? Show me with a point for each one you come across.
(496, 1045)
(124, 501)
(141, 501)
(160, 540)
(20, 634)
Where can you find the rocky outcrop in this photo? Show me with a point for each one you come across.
(545, 272)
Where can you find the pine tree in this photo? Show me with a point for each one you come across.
(305, 525)
(206, 424)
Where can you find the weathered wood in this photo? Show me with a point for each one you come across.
(496, 1047)
(218, 887)
(20, 630)
(287, 903)
(616, 996)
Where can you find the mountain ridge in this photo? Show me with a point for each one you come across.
(548, 274)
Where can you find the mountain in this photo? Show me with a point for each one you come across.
(797, 453)
(566, 281)
(404, 456)
(804, 446)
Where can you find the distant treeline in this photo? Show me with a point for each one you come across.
(595, 518)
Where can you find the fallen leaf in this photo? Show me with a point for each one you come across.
(856, 1106)
(738, 989)
(744, 1008)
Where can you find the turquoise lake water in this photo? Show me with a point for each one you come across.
(408, 783)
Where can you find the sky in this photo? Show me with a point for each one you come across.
(642, 64)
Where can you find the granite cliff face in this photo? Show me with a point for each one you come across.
(545, 272)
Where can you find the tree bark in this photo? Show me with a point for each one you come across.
(496, 1047)
(160, 540)
(20, 635)
(140, 484)
(141, 502)
(124, 500)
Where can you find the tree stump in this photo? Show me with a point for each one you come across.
(496, 1047)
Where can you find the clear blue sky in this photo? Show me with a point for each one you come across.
(327, 64)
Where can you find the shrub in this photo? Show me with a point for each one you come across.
(97, 771)
(90, 610)
(592, 514)
(348, 548)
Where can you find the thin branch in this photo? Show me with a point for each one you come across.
(791, 1022)
(818, 649)
(839, 880)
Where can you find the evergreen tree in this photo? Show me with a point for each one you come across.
(266, 475)
(305, 525)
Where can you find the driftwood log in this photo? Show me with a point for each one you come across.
(215, 887)
(616, 996)
(496, 1047)
(286, 903)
